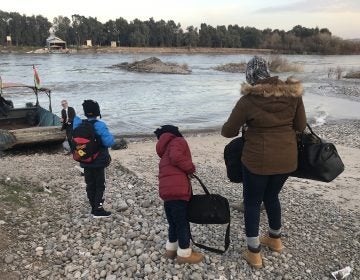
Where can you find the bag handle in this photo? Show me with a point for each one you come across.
(313, 133)
(227, 234)
(202, 184)
(215, 250)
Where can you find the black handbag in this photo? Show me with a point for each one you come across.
(209, 209)
(232, 158)
(317, 159)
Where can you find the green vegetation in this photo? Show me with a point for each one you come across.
(33, 31)
(17, 193)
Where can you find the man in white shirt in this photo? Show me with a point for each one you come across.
(67, 118)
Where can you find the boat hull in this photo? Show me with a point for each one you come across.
(10, 139)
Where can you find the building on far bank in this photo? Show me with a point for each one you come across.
(54, 43)
(113, 44)
(8, 40)
(88, 43)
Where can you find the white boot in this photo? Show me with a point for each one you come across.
(171, 249)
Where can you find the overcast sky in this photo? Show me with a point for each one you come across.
(342, 17)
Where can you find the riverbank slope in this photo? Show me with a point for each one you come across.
(46, 231)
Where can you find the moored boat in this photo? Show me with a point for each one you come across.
(28, 125)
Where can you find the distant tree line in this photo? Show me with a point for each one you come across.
(24, 30)
(33, 31)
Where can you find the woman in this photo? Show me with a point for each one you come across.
(272, 110)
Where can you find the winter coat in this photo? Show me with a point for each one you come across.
(272, 111)
(174, 167)
(107, 140)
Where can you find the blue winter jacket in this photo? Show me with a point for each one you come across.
(107, 140)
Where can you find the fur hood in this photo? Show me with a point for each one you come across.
(274, 87)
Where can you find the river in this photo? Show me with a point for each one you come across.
(139, 102)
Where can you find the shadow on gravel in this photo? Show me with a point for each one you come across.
(34, 149)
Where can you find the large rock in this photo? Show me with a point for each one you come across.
(352, 75)
(154, 65)
(232, 67)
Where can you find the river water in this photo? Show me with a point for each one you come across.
(139, 102)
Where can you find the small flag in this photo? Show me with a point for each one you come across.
(36, 78)
(1, 85)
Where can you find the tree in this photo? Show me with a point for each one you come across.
(234, 38)
(33, 31)
(251, 37)
(191, 37)
(122, 31)
(205, 36)
(63, 29)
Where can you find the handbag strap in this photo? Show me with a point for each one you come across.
(227, 234)
(312, 132)
(202, 184)
(215, 250)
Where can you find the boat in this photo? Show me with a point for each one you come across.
(30, 124)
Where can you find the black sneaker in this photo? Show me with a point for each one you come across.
(101, 213)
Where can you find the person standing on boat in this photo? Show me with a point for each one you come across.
(67, 118)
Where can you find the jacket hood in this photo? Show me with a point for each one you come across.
(276, 88)
(273, 95)
(163, 142)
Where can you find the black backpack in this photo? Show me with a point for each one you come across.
(86, 144)
(232, 158)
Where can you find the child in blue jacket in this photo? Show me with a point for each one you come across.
(94, 171)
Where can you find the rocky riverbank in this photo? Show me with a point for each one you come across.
(46, 231)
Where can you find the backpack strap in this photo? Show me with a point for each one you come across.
(97, 137)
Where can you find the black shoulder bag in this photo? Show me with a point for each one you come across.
(232, 157)
(317, 160)
(209, 209)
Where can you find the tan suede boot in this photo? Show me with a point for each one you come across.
(171, 250)
(274, 244)
(170, 254)
(188, 256)
(254, 259)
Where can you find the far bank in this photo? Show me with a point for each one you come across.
(161, 50)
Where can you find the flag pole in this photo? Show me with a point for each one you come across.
(36, 83)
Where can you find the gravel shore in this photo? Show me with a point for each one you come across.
(46, 231)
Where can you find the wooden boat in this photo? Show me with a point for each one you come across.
(31, 124)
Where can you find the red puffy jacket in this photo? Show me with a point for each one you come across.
(174, 167)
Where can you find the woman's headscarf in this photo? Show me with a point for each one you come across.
(256, 69)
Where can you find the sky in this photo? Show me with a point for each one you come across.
(342, 17)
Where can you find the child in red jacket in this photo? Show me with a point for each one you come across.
(174, 188)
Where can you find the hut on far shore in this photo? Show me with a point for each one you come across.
(54, 43)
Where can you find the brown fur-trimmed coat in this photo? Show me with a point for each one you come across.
(272, 110)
